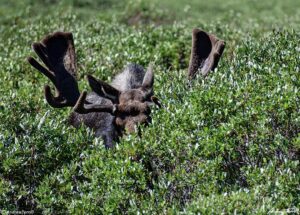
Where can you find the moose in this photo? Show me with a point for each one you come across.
(110, 110)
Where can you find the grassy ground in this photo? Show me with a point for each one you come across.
(228, 145)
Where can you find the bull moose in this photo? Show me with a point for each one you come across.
(111, 109)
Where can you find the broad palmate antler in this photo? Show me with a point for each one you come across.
(206, 52)
(57, 52)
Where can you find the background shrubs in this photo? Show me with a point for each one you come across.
(229, 144)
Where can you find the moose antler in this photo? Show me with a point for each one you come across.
(206, 52)
(57, 52)
(82, 106)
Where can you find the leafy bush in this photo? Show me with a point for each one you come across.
(228, 144)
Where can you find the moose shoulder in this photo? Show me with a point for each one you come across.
(110, 110)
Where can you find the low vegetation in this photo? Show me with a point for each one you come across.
(228, 144)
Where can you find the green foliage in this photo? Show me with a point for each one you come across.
(228, 144)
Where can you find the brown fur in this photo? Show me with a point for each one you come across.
(130, 107)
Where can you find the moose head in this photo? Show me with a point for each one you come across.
(130, 107)
(110, 110)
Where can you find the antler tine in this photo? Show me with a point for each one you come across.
(82, 108)
(41, 51)
(42, 69)
(103, 89)
(218, 51)
(53, 101)
(79, 106)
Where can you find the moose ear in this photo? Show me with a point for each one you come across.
(148, 78)
(103, 89)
